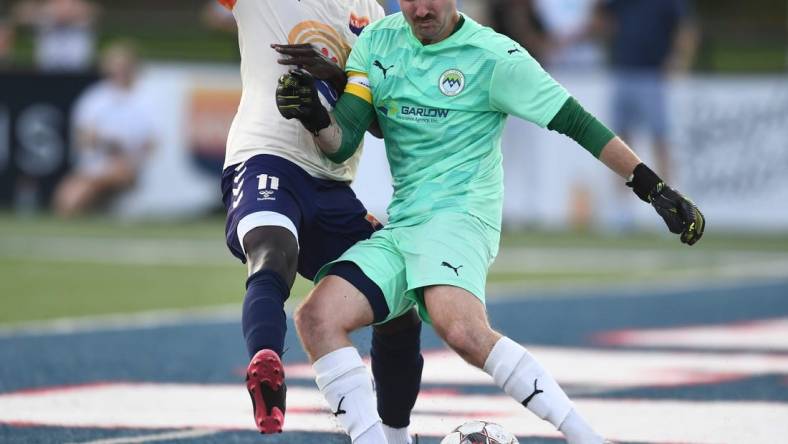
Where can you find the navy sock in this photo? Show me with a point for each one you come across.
(263, 320)
(396, 366)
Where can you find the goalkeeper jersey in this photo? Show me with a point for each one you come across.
(442, 109)
(258, 128)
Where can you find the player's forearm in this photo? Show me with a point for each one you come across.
(349, 121)
(617, 156)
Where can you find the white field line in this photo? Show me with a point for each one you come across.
(164, 406)
(632, 286)
(559, 260)
(126, 321)
(174, 252)
(594, 260)
(186, 434)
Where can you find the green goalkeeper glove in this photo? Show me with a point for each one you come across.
(678, 212)
(297, 98)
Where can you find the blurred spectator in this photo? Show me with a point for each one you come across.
(559, 33)
(569, 38)
(6, 43)
(216, 16)
(114, 134)
(65, 38)
(650, 39)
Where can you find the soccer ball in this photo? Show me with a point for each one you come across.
(479, 432)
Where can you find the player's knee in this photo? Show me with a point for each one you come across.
(313, 321)
(272, 248)
(303, 319)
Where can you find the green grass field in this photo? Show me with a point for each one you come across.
(51, 268)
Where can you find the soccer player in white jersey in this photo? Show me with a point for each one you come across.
(290, 209)
(441, 86)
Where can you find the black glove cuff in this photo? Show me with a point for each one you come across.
(645, 183)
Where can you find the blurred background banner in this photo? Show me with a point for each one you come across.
(728, 136)
(720, 138)
(35, 133)
(731, 138)
(725, 107)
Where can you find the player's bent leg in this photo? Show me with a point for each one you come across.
(334, 309)
(397, 364)
(460, 319)
(523, 378)
(271, 255)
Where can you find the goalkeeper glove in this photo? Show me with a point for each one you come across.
(678, 212)
(296, 98)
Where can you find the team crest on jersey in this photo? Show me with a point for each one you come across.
(357, 24)
(452, 82)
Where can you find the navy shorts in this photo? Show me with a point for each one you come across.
(325, 215)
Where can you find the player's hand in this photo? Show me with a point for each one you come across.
(679, 213)
(312, 60)
(297, 98)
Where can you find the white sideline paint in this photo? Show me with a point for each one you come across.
(185, 434)
(226, 407)
(770, 336)
(605, 369)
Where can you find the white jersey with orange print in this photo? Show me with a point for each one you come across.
(258, 128)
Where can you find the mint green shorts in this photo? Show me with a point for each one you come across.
(448, 249)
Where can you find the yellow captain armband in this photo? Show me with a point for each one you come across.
(358, 85)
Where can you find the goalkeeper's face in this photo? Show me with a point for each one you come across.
(431, 20)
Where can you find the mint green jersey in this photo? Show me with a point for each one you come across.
(442, 109)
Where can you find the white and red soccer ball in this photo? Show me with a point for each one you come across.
(479, 432)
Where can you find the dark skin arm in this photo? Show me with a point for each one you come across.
(309, 58)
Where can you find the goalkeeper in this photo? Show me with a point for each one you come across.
(441, 87)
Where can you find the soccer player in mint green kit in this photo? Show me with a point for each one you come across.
(441, 87)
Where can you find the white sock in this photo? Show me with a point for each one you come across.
(397, 436)
(577, 430)
(347, 386)
(519, 374)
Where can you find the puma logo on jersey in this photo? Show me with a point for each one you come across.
(512, 51)
(448, 265)
(385, 70)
